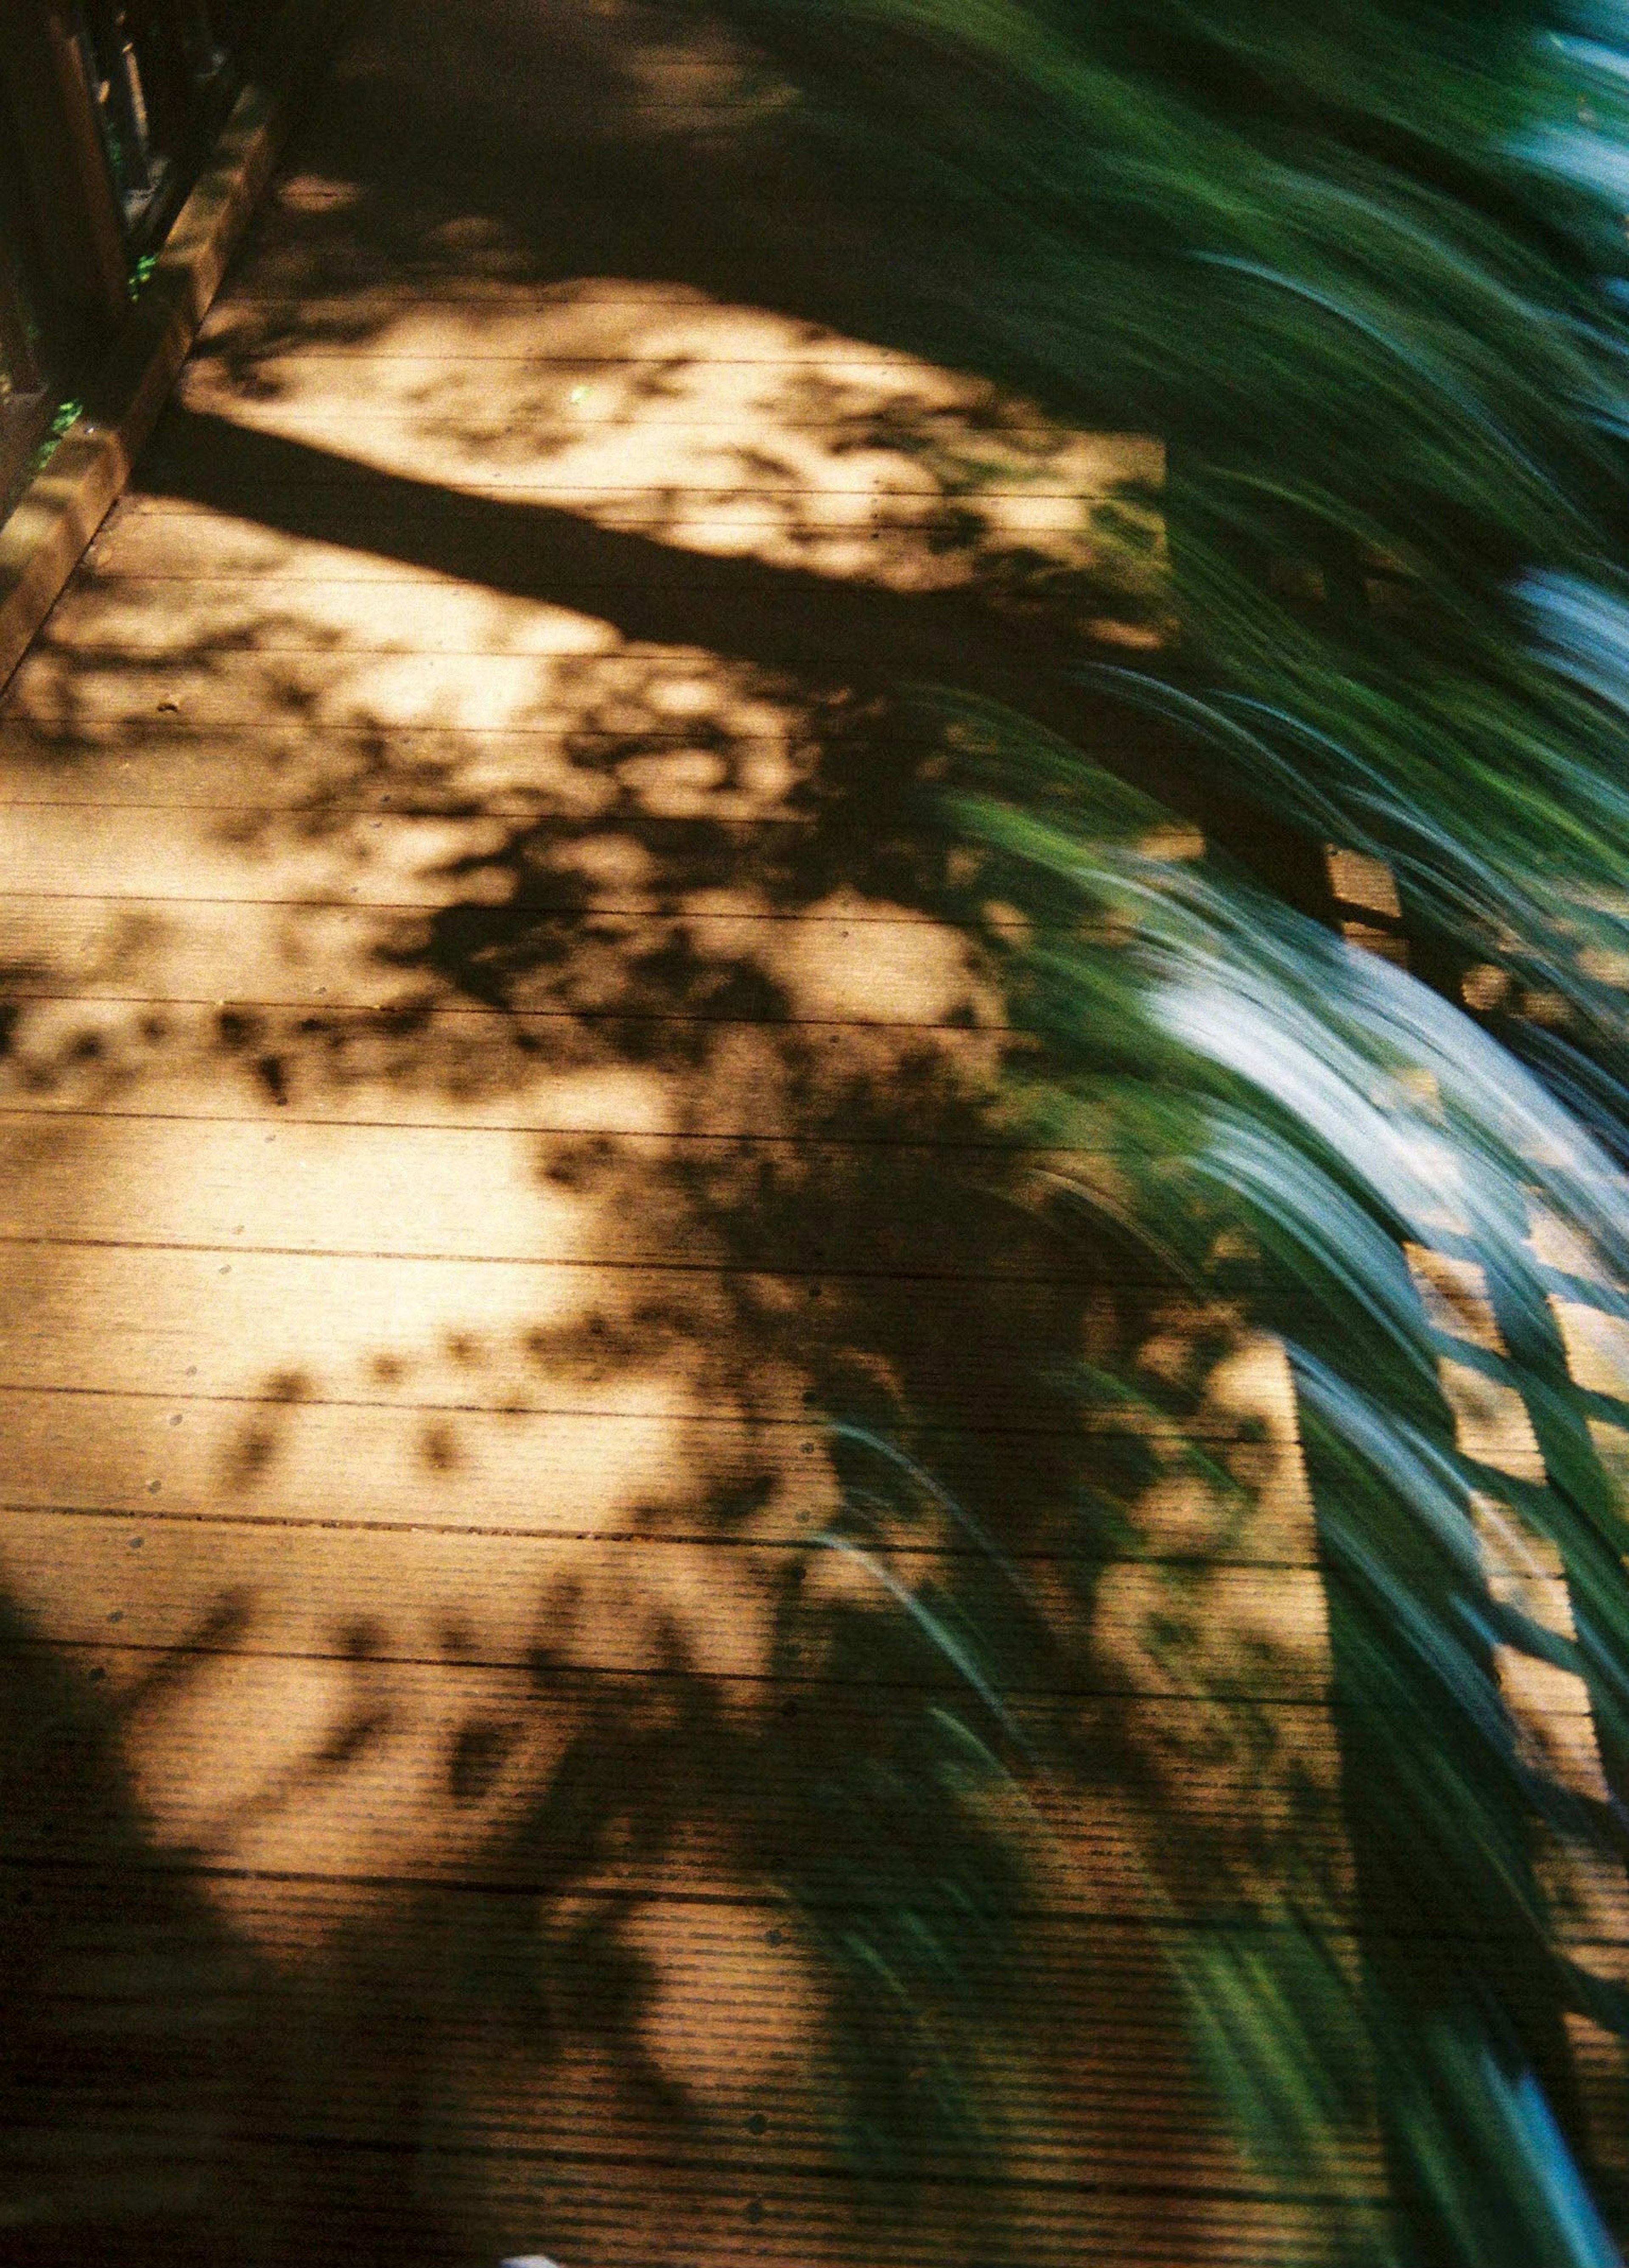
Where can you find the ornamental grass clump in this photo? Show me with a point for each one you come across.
(1364, 269)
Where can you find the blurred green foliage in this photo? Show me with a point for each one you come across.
(1364, 268)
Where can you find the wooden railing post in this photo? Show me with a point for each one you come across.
(64, 164)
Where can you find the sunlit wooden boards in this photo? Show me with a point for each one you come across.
(503, 1053)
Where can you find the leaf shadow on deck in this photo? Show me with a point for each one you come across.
(582, 1807)
(568, 1748)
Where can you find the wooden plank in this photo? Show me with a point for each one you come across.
(590, 1600)
(604, 242)
(429, 1335)
(580, 662)
(201, 623)
(198, 618)
(565, 397)
(442, 1064)
(364, 1779)
(732, 2017)
(141, 543)
(623, 2216)
(399, 859)
(381, 1839)
(609, 481)
(779, 585)
(593, 1193)
(506, 1446)
(281, 302)
(400, 368)
(660, 1467)
(247, 767)
(824, 960)
(197, 970)
(711, 516)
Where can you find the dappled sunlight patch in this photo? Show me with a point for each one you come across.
(708, 2027)
(330, 1769)
(454, 1193)
(1207, 1630)
(1491, 1420)
(414, 613)
(299, 1715)
(1597, 1346)
(1555, 1729)
(165, 1322)
(721, 429)
(851, 956)
(635, 1457)
(1454, 1296)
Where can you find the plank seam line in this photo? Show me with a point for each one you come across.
(597, 1673)
(800, 1145)
(664, 908)
(563, 1673)
(408, 813)
(167, 461)
(813, 1145)
(915, 1427)
(1072, 1921)
(416, 1008)
(1175, 1925)
(134, 659)
(815, 1272)
(758, 2174)
(61, 731)
(305, 357)
(648, 1539)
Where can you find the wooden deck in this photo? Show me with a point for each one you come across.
(501, 1044)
